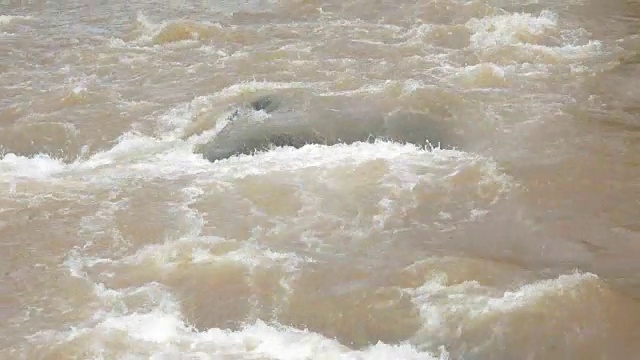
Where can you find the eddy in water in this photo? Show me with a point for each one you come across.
(264, 123)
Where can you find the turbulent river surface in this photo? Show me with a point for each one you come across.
(517, 237)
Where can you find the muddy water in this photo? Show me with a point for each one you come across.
(119, 241)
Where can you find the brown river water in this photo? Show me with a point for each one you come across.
(517, 239)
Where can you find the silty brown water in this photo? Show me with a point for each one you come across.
(119, 241)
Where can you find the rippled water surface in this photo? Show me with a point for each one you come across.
(516, 237)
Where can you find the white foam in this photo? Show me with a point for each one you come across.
(374, 87)
(177, 120)
(158, 330)
(79, 85)
(128, 148)
(416, 34)
(386, 211)
(252, 86)
(322, 156)
(161, 333)
(116, 43)
(530, 293)
(511, 29)
(6, 19)
(140, 157)
(14, 167)
(149, 29)
(442, 303)
(493, 69)
(529, 33)
(137, 157)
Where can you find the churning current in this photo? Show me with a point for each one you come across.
(309, 179)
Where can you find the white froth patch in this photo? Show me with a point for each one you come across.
(136, 156)
(471, 182)
(253, 86)
(537, 38)
(153, 327)
(442, 304)
(78, 86)
(165, 335)
(116, 43)
(127, 149)
(483, 75)
(14, 167)
(375, 87)
(412, 85)
(512, 29)
(7, 19)
(158, 330)
(530, 293)
(178, 120)
(149, 29)
(323, 156)
(189, 249)
(198, 251)
(160, 334)
(175, 34)
(417, 34)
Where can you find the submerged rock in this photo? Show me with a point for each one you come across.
(264, 124)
